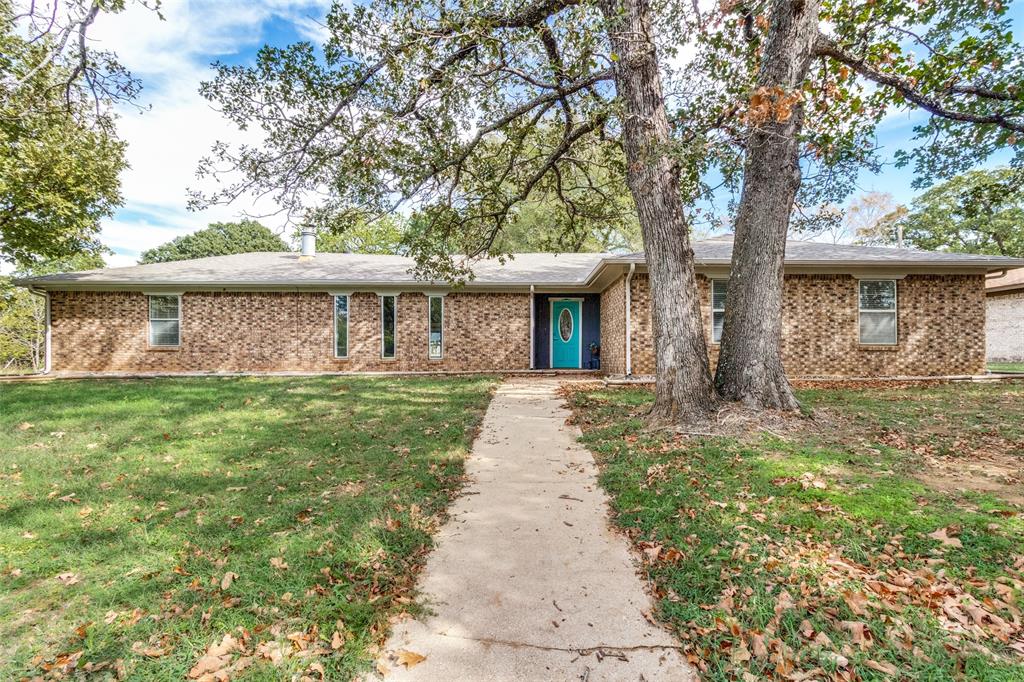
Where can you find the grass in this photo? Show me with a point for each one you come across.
(822, 553)
(1006, 366)
(142, 521)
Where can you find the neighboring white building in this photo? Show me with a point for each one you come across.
(1004, 317)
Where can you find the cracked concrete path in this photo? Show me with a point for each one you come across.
(528, 582)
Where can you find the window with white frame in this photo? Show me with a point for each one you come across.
(388, 319)
(165, 320)
(341, 326)
(878, 312)
(435, 337)
(718, 290)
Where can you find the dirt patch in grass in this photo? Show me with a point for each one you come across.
(731, 419)
(1001, 475)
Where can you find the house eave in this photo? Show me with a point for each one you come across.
(603, 273)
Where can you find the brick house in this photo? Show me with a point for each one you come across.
(1004, 317)
(848, 311)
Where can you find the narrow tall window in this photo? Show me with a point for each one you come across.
(388, 313)
(165, 320)
(878, 312)
(435, 339)
(341, 326)
(718, 288)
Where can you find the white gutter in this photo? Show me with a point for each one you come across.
(629, 321)
(46, 342)
(532, 334)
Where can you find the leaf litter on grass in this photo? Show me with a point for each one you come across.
(779, 595)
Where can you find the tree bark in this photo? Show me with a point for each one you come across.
(684, 389)
(750, 362)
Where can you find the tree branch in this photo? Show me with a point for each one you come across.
(827, 47)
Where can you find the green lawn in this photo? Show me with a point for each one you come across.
(282, 519)
(1006, 366)
(828, 554)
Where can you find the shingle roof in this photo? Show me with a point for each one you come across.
(553, 269)
(331, 268)
(719, 251)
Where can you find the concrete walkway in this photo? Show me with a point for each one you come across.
(527, 581)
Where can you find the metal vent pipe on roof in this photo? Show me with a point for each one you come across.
(308, 242)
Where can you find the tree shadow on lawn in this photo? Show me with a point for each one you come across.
(342, 481)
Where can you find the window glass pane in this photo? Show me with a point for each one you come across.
(877, 295)
(718, 289)
(341, 326)
(163, 332)
(163, 307)
(436, 326)
(717, 321)
(387, 323)
(565, 325)
(878, 328)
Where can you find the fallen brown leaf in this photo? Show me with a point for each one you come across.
(943, 536)
(887, 668)
(409, 658)
(227, 580)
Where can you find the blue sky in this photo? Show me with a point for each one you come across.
(166, 142)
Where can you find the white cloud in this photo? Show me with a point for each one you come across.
(166, 142)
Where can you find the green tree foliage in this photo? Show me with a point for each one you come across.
(23, 314)
(60, 156)
(979, 211)
(545, 226)
(361, 233)
(588, 211)
(219, 239)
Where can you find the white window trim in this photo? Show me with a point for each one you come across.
(894, 311)
(714, 310)
(382, 297)
(430, 299)
(149, 321)
(348, 322)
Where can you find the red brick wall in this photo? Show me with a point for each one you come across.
(613, 328)
(107, 331)
(940, 327)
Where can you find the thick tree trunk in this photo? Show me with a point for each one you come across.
(750, 362)
(685, 390)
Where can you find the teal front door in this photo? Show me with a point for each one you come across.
(566, 334)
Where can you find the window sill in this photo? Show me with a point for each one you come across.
(879, 348)
(389, 359)
(163, 349)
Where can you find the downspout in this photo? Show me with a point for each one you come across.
(629, 320)
(46, 341)
(532, 325)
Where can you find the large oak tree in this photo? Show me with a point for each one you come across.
(957, 61)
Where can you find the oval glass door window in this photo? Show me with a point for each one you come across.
(565, 325)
